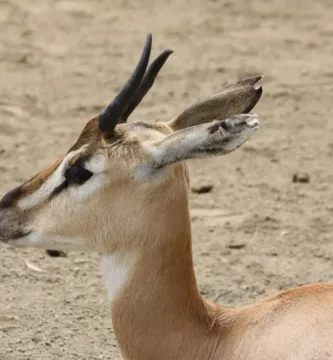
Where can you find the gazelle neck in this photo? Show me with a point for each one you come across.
(156, 307)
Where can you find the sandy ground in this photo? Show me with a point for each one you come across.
(256, 232)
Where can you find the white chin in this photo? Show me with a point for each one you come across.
(28, 240)
(34, 240)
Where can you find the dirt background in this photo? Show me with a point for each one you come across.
(255, 233)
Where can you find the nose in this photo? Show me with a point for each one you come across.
(10, 198)
(10, 218)
(11, 224)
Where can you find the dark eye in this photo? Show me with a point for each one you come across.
(77, 175)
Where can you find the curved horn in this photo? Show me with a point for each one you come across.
(110, 116)
(147, 82)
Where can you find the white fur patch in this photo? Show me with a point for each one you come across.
(35, 240)
(96, 165)
(254, 123)
(56, 179)
(116, 273)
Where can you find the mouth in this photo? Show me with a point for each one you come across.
(21, 235)
(18, 236)
(238, 123)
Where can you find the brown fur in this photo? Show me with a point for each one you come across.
(89, 135)
(32, 185)
(161, 314)
(36, 182)
(158, 313)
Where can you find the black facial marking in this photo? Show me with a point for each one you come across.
(59, 189)
(77, 175)
(10, 198)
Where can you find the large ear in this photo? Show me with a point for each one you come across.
(215, 138)
(239, 98)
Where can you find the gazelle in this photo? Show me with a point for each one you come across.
(122, 190)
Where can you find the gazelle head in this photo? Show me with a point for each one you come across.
(105, 187)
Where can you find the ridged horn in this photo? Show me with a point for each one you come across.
(147, 82)
(114, 112)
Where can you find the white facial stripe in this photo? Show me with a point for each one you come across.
(116, 273)
(56, 179)
(96, 165)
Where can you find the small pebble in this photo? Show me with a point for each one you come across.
(236, 246)
(301, 178)
(202, 189)
(56, 253)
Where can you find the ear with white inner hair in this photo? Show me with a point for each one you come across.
(239, 98)
(215, 138)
